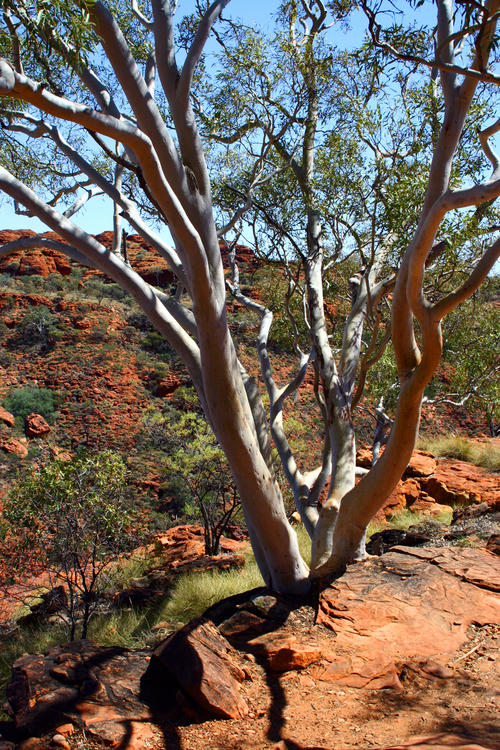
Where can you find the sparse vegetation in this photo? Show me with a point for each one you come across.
(486, 454)
(403, 519)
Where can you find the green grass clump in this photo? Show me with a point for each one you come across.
(486, 454)
(405, 518)
(194, 592)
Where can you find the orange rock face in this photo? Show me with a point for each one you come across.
(407, 612)
(169, 384)
(36, 426)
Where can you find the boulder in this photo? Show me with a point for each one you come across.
(437, 489)
(422, 464)
(82, 324)
(169, 384)
(18, 447)
(6, 417)
(203, 663)
(466, 483)
(35, 426)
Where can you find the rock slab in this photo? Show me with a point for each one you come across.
(413, 601)
(96, 689)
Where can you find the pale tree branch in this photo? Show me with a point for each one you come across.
(484, 136)
(165, 47)
(181, 226)
(146, 22)
(469, 286)
(138, 95)
(195, 51)
(448, 68)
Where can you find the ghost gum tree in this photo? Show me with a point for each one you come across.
(133, 100)
(350, 146)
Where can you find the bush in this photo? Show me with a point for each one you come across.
(38, 326)
(29, 399)
(155, 342)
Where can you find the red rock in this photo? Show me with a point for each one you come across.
(242, 622)
(18, 447)
(60, 453)
(7, 417)
(284, 652)
(493, 544)
(466, 483)
(402, 601)
(206, 667)
(169, 384)
(132, 735)
(426, 504)
(66, 730)
(36, 426)
(477, 566)
(440, 492)
(422, 464)
(42, 688)
(82, 324)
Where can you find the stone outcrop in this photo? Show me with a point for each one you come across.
(409, 611)
(169, 384)
(283, 652)
(183, 547)
(432, 486)
(97, 689)
(35, 426)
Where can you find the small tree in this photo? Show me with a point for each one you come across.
(194, 457)
(73, 517)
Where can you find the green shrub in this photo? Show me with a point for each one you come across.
(155, 342)
(29, 399)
